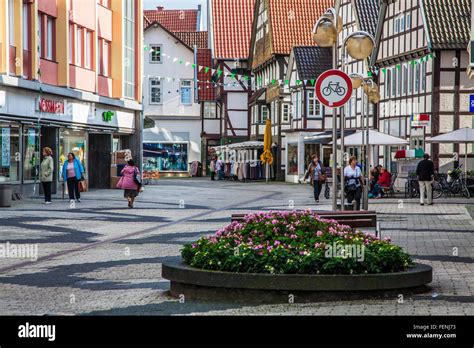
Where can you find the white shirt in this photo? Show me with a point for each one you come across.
(353, 173)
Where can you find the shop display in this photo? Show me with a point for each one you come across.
(74, 141)
(10, 152)
(165, 157)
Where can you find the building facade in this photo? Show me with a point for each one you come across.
(423, 62)
(277, 27)
(70, 79)
(171, 100)
(230, 24)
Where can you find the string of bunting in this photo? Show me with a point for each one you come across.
(256, 81)
(413, 62)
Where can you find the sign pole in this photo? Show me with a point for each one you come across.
(334, 141)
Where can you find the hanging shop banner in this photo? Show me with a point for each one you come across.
(6, 147)
(420, 120)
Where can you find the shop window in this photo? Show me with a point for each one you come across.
(165, 157)
(74, 141)
(155, 91)
(292, 159)
(10, 153)
(186, 92)
(31, 154)
(155, 55)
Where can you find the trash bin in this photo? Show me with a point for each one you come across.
(6, 191)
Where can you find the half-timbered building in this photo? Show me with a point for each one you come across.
(423, 59)
(229, 26)
(278, 26)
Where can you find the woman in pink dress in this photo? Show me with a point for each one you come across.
(128, 182)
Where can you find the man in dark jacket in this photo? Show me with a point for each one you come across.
(425, 173)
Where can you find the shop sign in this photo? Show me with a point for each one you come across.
(50, 106)
(471, 103)
(107, 116)
(420, 120)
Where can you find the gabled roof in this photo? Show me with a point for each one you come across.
(368, 12)
(292, 22)
(195, 38)
(231, 28)
(311, 61)
(448, 23)
(173, 20)
(174, 35)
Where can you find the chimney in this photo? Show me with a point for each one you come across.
(198, 26)
(160, 8)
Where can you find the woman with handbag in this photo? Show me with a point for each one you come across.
(353, 182)
(317, 176)
(73, 173)
(130, 182)
(46, 173)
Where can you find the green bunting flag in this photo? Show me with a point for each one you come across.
(287, 82)
(194, 66)
(232, 75)
(298, 82)
(219, 73)
(399, 66)
(312, 82)
(206, 69)
(369, 74)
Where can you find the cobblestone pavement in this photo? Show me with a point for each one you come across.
(101, 258)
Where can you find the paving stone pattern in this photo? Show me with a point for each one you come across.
(101, 258)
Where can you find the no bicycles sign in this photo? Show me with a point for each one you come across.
(334, 88)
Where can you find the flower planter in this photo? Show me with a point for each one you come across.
(201, 284)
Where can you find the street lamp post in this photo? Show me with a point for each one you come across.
(370, 95)
(360, 45)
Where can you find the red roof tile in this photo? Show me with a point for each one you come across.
(206, 90)
(173, 20)
(292, 22)
(198, 38)
(232, 27)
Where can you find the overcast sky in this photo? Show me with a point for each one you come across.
(179, 4)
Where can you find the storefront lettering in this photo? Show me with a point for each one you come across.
(51, 106)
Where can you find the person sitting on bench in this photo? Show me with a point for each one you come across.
(385, 180)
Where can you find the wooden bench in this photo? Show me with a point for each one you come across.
(354, 219)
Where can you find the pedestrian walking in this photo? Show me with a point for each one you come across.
(220, 169)
(317, 176)
(353, 182)
(130, 182)
(73, 173)
(425, 173)
(213, 168)
(46, 173)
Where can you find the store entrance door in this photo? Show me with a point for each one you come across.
(100, 148)
(49, 138)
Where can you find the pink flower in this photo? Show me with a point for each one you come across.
(274, 222)
(319, 233)
(277, 242)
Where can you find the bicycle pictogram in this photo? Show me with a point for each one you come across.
(334, 87)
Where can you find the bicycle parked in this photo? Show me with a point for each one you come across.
(451, 184)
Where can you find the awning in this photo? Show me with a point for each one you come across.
(247, 145)
(324, 137)
(375, 138)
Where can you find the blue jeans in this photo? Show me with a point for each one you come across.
(376, 190)
(317, 187)
(221, 174)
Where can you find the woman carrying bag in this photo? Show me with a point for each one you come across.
(46, 173)
(130, 182)
(317, 176)
(353, 182)
(73, 173)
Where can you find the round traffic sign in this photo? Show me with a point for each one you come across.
(333, 88)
